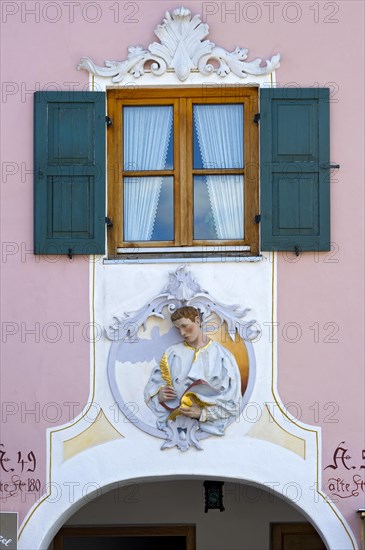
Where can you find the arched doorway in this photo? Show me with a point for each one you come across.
(138, 514)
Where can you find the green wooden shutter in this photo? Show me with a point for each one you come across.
(69, 173)
(295, 172)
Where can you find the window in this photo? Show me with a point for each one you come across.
(183, 170)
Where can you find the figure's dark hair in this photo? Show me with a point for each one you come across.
(185, 312)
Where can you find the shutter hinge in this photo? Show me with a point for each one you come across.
(256, 118)
(257, 218)
(108, 222)
(328, 166)
(70, 253)
(108, 121)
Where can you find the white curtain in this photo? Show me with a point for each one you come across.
(146, 138)
(220, 135)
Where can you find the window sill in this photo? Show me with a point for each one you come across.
(224, 254)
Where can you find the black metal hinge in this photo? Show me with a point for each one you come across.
(108, 222)
(257, 218)
(108, 121)
(256, 118)
(328, 166)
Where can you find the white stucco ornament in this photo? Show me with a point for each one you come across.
(182, 49)
(148, 353)
(183, 290)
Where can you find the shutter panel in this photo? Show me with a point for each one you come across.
(69, 173)
(295, 172)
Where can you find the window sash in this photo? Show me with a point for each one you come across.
(183, 172)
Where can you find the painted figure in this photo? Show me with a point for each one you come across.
(197, 379)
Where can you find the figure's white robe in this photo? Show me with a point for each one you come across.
(213, 364)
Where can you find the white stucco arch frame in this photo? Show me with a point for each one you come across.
(72, 482)
(72, 487)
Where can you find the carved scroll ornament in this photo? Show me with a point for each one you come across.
(182, 49)
(183, 290)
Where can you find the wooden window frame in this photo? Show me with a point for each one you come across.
(182, 100)
(188, 531)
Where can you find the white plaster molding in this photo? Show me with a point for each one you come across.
(182, 50)
(183, 290)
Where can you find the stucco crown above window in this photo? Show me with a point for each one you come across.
(182, 50)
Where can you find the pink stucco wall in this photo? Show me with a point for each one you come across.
(322, 372)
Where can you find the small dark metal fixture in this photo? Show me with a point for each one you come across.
(213, 495)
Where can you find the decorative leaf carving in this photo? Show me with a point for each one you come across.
(182, 48)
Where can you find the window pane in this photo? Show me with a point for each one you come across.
(148, 209)
(147, 138)
(218, 207)
(218, 136)
(204, 228)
